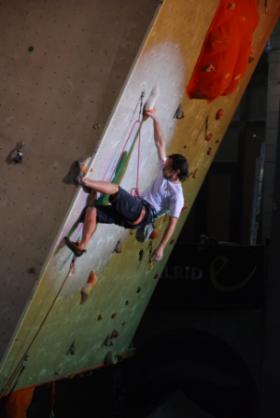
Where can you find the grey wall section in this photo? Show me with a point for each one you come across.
(62, 66)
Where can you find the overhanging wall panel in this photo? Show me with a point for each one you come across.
(57, 335)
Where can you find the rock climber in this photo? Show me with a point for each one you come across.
(165, 195)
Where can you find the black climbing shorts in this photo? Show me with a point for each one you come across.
(123, 210)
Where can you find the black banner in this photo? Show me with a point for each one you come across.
(213, 275)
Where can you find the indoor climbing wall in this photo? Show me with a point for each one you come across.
(61, 73)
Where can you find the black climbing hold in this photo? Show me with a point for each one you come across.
(16, 155)
(141, 255)
(109, 359)
(72, 349)
(108, 341)
(30, 48)
(118, 248)
(179, 114)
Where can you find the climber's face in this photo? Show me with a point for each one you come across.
(168, 172)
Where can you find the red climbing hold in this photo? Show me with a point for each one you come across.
(226, 49)
(219, 114)
(208, 137)
(114, 334)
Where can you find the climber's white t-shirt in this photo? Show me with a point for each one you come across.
(165, 195)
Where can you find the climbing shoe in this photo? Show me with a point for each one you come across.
(73, 246)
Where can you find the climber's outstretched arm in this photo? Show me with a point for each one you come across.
(169, 230)
(158, 135)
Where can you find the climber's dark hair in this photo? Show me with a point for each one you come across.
(179, 162)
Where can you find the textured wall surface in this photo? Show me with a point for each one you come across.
(62, 66)
(69, 67)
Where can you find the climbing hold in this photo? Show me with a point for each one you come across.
(109, 359)
(96, 126)
(179, 114)
(114, 315)
(86, 290)
(231, 5)
(108, 341)
(219, 114)
(209, 151)
(155, 234)
(16, 155)
(114, 334)
(118, 248)
(126, 302)
(72, 269)
(141, 255)
(156, 276)
(151, 101)
(208, 137)
(208, 68)
(151, 264)
(194, 173)
(99, 317)
(31, 270)
(138, 290)
(72, 349)
(30, 48)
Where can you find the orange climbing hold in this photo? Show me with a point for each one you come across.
(226, 50)
(155, 234)
(86, 290)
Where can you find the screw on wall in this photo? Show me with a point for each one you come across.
(31, 270)
(16, 155)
